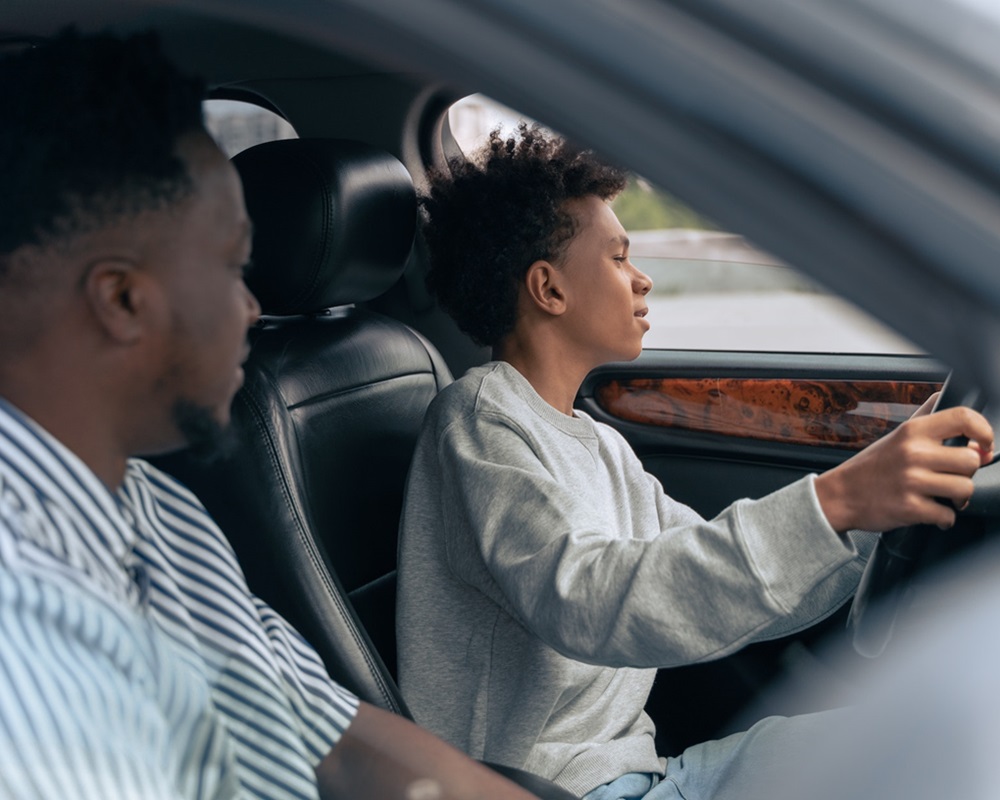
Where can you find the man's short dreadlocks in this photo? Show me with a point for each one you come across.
(88, 133)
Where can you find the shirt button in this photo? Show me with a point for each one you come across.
(140, 579)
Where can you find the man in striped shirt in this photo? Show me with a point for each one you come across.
(134, 662)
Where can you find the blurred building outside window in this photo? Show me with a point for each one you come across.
(236, 125)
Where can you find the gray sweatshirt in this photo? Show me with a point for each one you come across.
(544, 575)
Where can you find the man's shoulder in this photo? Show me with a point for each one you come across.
(165, 504)
(139, 472)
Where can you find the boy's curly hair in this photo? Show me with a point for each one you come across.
(489, 218)
(88, 134)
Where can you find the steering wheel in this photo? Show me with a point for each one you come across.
(883, 589)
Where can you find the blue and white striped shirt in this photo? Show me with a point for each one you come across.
(134, 662)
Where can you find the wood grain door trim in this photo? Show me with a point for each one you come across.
(845, 414)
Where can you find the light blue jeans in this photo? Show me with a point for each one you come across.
(747, 765)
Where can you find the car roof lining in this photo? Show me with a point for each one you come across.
(682, 106)
(222, 51)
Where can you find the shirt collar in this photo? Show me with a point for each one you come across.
(61, 478)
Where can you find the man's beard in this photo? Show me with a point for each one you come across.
(206, 438)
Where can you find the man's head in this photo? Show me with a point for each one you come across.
(122, 239)
(522, 201)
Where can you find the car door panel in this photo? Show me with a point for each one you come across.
(746, 422)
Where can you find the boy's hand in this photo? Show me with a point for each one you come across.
(894, 482)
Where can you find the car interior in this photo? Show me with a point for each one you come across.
(328, 416)
(351, 348)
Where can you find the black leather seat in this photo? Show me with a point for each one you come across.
(333, 399)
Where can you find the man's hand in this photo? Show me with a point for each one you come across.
(386, 757)
(894, 482)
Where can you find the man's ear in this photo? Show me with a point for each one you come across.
(544, 287)
(118, 296)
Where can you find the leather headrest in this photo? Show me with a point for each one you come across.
(334, 222)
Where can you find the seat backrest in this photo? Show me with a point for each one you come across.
(333, 399)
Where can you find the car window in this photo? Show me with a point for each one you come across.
(237, 125)
(712, 290)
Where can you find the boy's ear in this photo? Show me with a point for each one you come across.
(118, 296)
(544, 287)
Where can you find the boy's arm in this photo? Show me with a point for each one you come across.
(895, 481)
(694, 590)
(386, 757)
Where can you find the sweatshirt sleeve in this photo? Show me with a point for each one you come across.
(693, 590)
